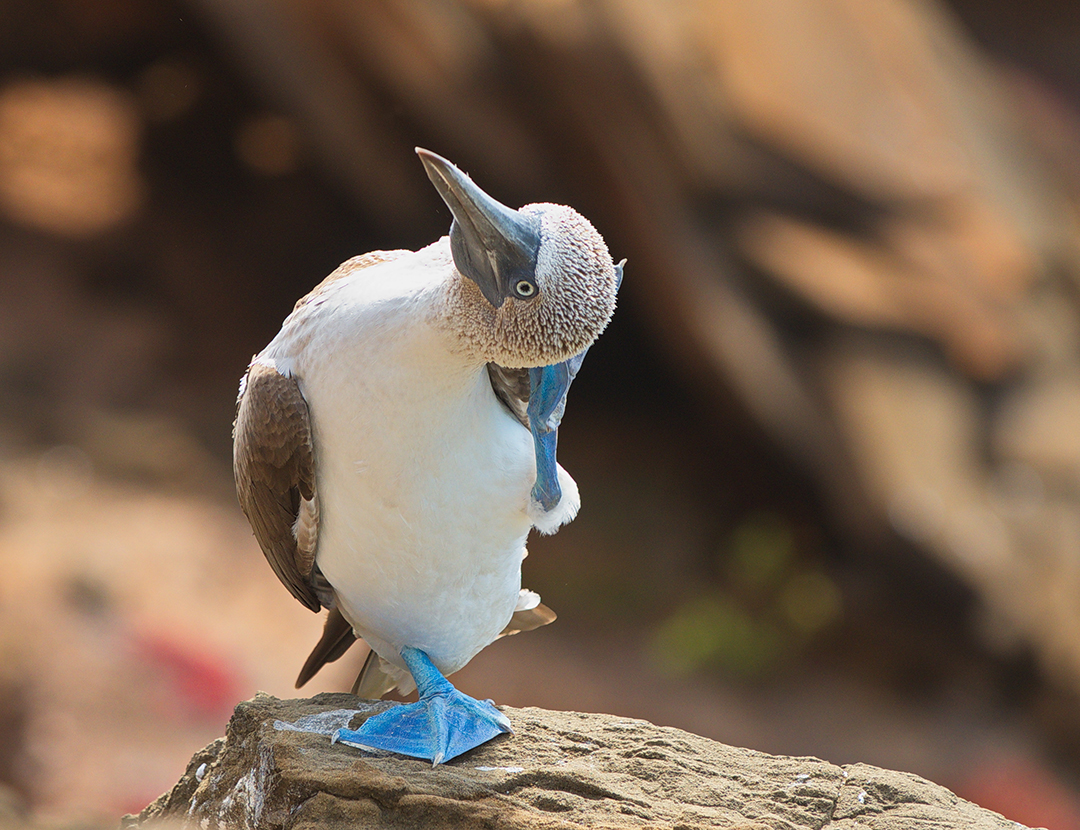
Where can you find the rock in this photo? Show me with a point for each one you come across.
(560, 769)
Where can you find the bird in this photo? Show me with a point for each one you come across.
(395, 444)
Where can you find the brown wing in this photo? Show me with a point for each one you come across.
(275, 476)
(512, 388)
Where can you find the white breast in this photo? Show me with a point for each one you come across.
(423, 477)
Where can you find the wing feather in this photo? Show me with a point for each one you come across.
(275, 475)
(511, 387)
(336, 639)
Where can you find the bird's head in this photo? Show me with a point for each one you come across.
(539, 282)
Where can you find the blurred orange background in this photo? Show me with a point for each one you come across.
(829, 448)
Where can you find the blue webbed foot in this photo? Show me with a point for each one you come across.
(436, 728)
(441, 725)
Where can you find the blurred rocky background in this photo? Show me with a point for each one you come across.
(829, 448)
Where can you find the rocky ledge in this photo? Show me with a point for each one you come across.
(559, 770)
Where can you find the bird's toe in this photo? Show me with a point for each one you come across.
(438, 727)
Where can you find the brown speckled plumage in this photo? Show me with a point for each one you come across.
(274, 469)
(576, 278)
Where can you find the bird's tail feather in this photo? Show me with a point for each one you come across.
(336, 638)
(379, 676)
(530, 613)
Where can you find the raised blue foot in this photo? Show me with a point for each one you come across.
(548, 386)
(547, 400)
(441, 725)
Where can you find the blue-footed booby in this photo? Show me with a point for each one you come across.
(396, 441)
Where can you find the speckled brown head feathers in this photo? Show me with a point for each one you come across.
(577, 283)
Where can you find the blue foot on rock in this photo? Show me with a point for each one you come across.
(441, 725)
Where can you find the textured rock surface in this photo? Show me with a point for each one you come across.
(560, 769)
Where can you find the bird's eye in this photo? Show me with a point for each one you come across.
(524, 289)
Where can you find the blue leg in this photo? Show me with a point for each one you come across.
(548, 386)
(546, 491)
(547, 402)
(441, 725)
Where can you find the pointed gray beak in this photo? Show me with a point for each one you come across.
(493, 245)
